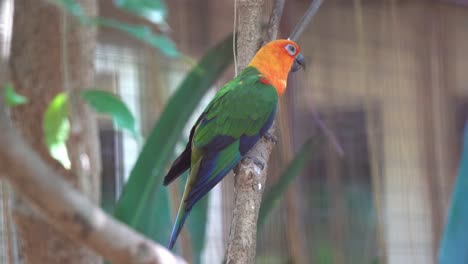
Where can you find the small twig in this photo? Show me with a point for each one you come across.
(234, 38)
(297, 31)
(63, 41)
(305, 20)
(328, 133)
(274, 22)
(69, 211)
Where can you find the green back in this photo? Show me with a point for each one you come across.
(241, 107)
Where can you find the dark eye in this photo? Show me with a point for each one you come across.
(291, 49)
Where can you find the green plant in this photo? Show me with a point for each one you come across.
(11, 98)
(142, 202)
(273, 195)
(145, 8)
(454, 244)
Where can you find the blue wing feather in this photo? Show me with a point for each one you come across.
(214, 166)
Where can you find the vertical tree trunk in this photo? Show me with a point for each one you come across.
(52, 53)
(250, 179)
(243, 233)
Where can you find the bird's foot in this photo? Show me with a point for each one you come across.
(271, 137)
(256, 161)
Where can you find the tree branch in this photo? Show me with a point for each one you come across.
(274, 22)
(69, 211)
(250, 178)
(305, 19)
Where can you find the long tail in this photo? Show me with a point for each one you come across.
(184, 211)
(182, 214)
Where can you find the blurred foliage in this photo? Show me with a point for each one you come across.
(454, 244)
(136, 206)
(140, 32)
(11, 97)
(107, 103)
(56, 128)
(153, 10)
(272, 259)
(73, 7)
(359, 227)
(324, 253)
(56, 124)
(143, 33)
(273, 195)
(144, 203)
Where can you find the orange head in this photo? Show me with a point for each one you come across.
(275, 60)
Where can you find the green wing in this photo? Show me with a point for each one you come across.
(242, 107)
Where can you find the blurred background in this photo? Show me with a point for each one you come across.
(388, 77)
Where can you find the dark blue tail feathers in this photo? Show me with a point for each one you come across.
(177, 228)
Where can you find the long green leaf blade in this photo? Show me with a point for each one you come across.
(71, 6)
(140, 32)
(273, 196)
(157, 219)
(453, 247)
(56, 128)
(153, 10)
(143, 33)
(107, 103)
(148, 171)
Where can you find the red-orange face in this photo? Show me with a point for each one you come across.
(276, 59)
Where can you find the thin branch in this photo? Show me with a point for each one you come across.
(275, 19)
(69, 211)
(305, 20)
(297, 31)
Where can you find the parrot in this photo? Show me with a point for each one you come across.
(240, 113)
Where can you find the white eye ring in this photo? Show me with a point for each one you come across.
(291, 49)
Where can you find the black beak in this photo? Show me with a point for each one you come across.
(299, 62)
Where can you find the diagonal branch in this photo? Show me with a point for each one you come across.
(275, 19)
(69, 211)
(305, 19)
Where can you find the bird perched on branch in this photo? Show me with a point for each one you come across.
(237, 117)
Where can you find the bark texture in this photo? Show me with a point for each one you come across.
(249, 30)
(52, 53)
(250, 178)
(68, 211)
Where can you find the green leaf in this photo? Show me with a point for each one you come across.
(107, 103)
(136, 204)
(140, 32)
(75, 9)
(11, 97)
(273, 196)
(143, 33)
(71, 6)
(157, 222)
(56, 128)
(153, 10)
(453, 246)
